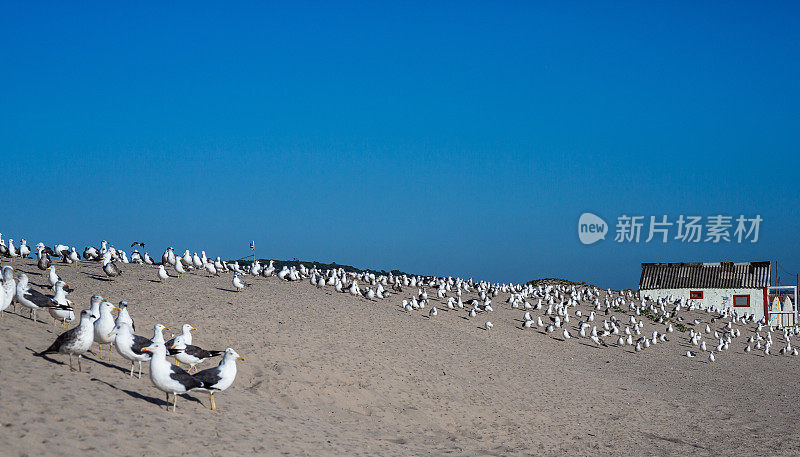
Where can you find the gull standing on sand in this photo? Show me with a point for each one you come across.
(103, 327)
(24, 250)
(10, 288)
(109, 267)
(130, 346)
(65, 312)
(75, 341)
(32, 299)
(221, 377)
(179, 266)
(52, 276)
(167, 377)
(73, 256)
(238, 283)
(162, 273)
(189, 354)
(12, 250)
(43, 262)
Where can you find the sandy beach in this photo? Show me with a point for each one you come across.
(327, 373)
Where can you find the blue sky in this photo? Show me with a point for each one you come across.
(450, 139)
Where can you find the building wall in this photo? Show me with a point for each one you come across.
(718, 299)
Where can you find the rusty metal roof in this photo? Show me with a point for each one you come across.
(704, 275)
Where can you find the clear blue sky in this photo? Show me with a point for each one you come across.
(450, 139)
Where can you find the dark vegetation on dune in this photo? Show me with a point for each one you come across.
(279, 264)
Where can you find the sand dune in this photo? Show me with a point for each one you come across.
(332, 374)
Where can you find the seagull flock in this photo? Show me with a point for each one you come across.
(566, 313)
(97, 324)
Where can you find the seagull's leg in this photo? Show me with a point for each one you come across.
(174, 401)
(70, 363)
(140, 369)
(132, 365)
(110, 350)
(213, 405)
(100, 355)
(79, 363)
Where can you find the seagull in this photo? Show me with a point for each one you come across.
(130, 346)
(137, 243)
(167, 377)
(10, 288)
(103, 327)
(32, 299)
(488, 325)
(162, 273)
(566, 334)
(168, 257)
(189, 354)
(75, 341)
(238, 283)
(433, 312)
(158, 335)
(94, 305)
(12, 250)
(221, 377)
(65, 312)
(109, 267)
(689, 354)
(711, 357)
(179, 267)
(186, 333)
(52, 276)
(44, 262)
(24, 250)
(123, 316)
(73, 257)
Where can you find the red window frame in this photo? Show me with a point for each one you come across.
(741, 306)
(692, 292)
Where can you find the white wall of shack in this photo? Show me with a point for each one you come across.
(718, 299)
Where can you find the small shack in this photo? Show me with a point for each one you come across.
(738, 287)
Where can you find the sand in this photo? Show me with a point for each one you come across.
(331, 374)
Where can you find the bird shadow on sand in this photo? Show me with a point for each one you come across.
(593, 346)
(153, 280)
(44, 356)
(106, 364)
(225, 290)
(97, 277)
(147, 398)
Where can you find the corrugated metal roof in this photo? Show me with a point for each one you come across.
(704, 275)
